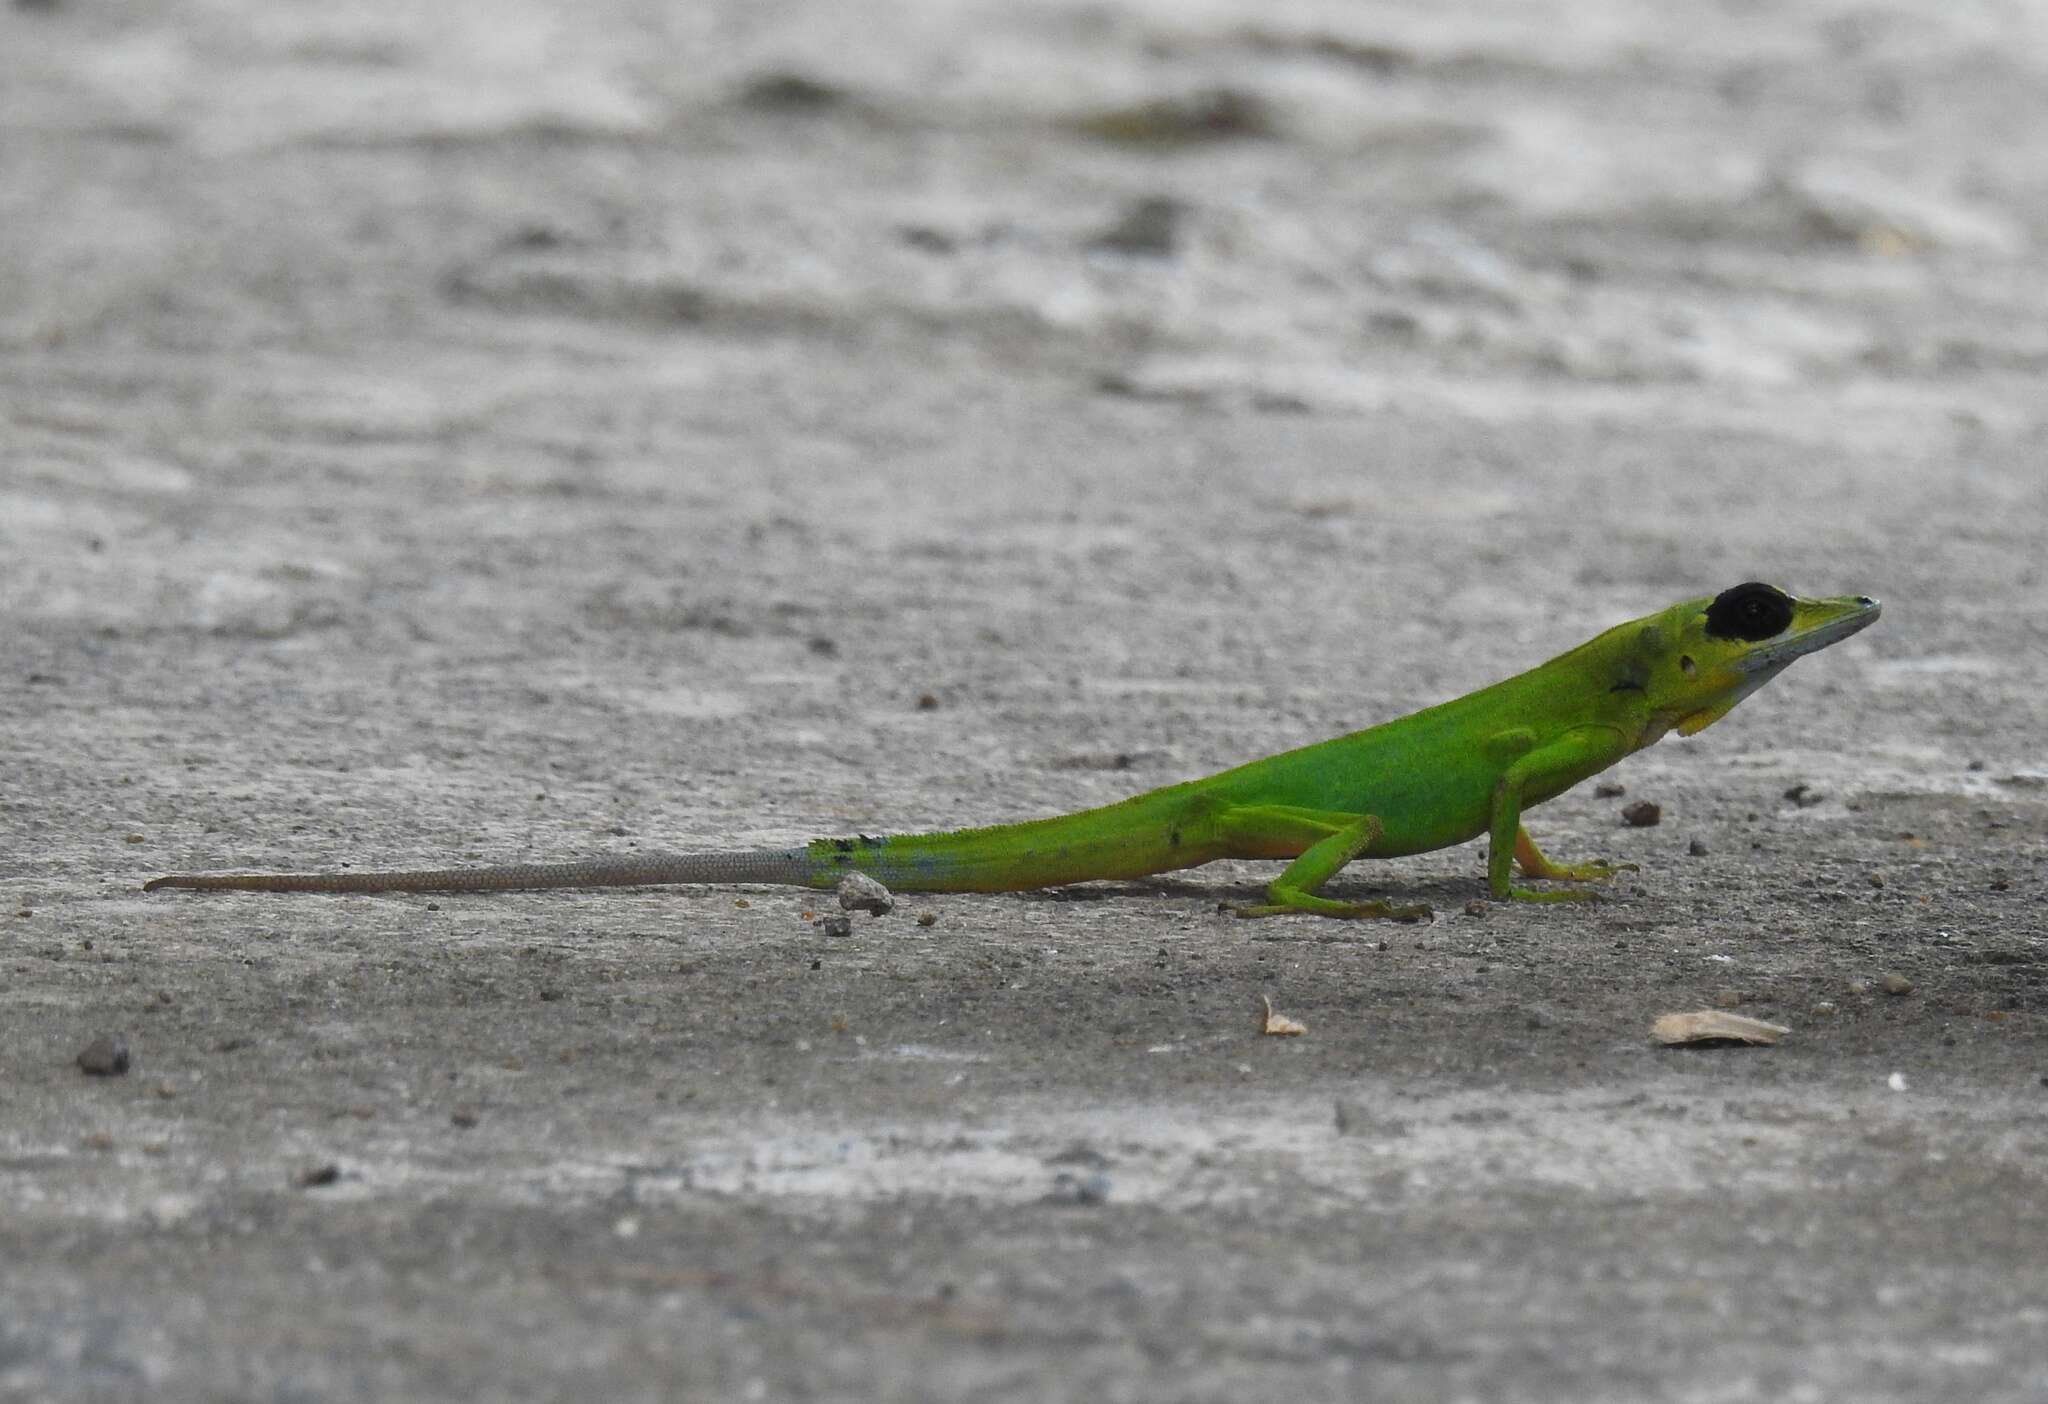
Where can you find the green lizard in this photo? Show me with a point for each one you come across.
(1428, 780)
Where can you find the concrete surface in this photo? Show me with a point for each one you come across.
(512, 430)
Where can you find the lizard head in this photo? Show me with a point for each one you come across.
(1697, 659)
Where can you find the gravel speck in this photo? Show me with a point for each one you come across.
(105, 1056)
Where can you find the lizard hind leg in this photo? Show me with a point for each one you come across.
(1335, 839)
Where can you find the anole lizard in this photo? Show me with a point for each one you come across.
(1427, 780)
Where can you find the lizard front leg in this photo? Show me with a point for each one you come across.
(1571, 758)
(1529, 858)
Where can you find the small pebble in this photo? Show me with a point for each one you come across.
(464, 1117)
(1476, 908)
(1730, 999)
(1698, 848)
(1643, 814)
(1804, 795)
(1609, 789)
(314, 1176)
(860, 893)
(837, 924)
(927, 919)
(105, 1056)
(1893, 983)
(1877, 879)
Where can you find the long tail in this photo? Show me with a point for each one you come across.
(1147, 833)
(789, 867)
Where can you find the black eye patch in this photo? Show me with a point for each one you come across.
(1751, 612)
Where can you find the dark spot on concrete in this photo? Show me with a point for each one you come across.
(1222, 114)
(791, 92)
(1082, 1154)
(1151, 228)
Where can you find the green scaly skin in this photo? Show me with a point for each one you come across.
(1428, 780)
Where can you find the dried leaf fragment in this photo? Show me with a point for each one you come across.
(1278, 1025)
(1715, 1026)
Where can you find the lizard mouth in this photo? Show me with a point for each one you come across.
(1774, 654)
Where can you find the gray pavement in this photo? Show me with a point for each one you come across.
(526, 431)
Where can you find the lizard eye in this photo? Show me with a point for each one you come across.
(1751, 612)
